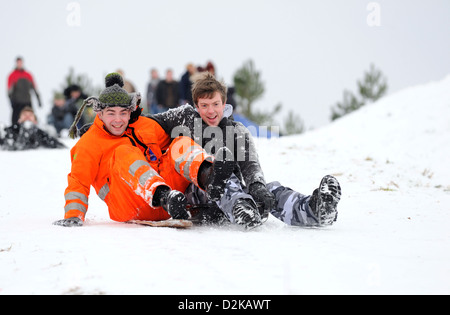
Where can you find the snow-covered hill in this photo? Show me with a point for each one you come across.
(391, 237)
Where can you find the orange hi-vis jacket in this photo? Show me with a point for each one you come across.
(126, 170)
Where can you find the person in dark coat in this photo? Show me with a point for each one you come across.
(167, 94)
(62, 114)
(186, 85)
(74, 99)
(20, 83)
(152, 103)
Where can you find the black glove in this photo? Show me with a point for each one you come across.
(263, 197)
(70, 222)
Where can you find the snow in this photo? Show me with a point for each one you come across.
(391, 237)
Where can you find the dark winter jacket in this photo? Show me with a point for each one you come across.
(167, 94)
(59, 112)
(185, 86)
(186, 121)
(27, 136)
(20, 83)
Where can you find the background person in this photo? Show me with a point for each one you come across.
(20, 83)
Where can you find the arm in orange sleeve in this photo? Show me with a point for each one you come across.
(85, 164)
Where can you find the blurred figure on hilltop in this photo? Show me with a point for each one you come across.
(230, 97)
(127, 85)
(63, 113)
(210, 68)
(25, 134)
(186, 84)
(74, 98)
(20, 82)
(152, 103)
(167, 92)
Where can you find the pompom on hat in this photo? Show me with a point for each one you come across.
(114, 95)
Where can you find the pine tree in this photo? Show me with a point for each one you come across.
(371, 88)
(349, 104)
(86, 86)
(293, 124)
(83, 81)
(374, 85)
(249, 88)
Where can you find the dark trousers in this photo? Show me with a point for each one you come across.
(17, 108)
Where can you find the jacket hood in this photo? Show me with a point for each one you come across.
(227, 112)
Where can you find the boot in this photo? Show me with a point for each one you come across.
(208, 215)
(246, 213)
(173, 201)
(324, 200)
(213, 177)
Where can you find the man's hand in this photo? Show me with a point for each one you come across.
(70, 222)
(263, 196)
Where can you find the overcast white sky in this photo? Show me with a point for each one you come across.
(308, 51)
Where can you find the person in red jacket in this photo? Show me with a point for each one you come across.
(139, 176)
(20, 83)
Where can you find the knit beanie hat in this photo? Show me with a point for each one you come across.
(112, 96)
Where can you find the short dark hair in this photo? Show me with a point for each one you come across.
(206, 85)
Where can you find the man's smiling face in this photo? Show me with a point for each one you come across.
(115, 119)
(211, 109)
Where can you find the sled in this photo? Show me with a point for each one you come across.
(171, 223)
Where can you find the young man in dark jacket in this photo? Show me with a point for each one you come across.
(210, 124)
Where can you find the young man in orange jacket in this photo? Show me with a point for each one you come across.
(140, 176)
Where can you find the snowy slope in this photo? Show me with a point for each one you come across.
(391, 237)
